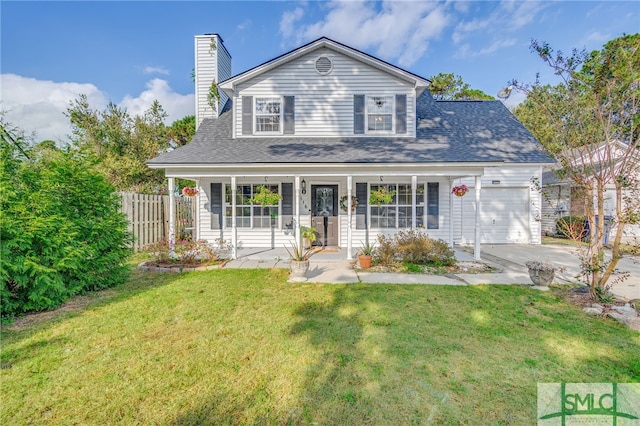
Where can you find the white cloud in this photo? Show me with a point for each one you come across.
(497, 45)
(399, 30)
(244, 25)
(39, 106)
(597, 38)
(508, 16)
(155, 70)
(175, 104)
(288, 21)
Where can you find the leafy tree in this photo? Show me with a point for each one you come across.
(181, 131)
(589, 123)
(62, 232)
(120, 145)
(449, 87)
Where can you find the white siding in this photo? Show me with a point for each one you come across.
(210, 65)
(510, 211)
(556, 202)
(324, 103)
(510, 207)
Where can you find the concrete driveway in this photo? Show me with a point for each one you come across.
(514, 256)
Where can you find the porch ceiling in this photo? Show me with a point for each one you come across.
(279, 170)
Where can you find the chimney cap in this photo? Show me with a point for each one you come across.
(214, 34)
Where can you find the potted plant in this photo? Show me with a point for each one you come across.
(189, 192)
(265, 197)
(381, 196)
(299, 258)
(365, 255)
(309, 236)
(541, 273)
(459, 190)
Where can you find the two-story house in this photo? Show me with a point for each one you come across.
(324, 125)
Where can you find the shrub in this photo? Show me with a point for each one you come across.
(414, 247)
(62, 230)
(572, 227)
(386, 251)
(188, 252)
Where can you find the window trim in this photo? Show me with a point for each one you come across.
(255, 116)
(226, 205)
(392, 97)
(395, 206)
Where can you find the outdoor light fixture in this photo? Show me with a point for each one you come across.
(304, 186)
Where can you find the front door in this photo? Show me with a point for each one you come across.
(324, 213)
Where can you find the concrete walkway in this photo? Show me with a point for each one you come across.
(330, 267)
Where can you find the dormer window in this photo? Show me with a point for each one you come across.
(268, 113)
(379, 114)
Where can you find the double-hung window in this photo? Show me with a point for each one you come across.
(249, 215)
(268, 115)
(398, 213)
(379, 114)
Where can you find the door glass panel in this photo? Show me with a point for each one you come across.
(324, 202)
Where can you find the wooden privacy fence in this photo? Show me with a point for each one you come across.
(148, 217)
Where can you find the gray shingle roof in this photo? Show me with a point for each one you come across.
(447, 131)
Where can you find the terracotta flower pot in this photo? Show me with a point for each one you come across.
(365, 261)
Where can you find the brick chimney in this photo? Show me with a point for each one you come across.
(212, 63)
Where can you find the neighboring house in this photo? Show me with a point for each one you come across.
(560, 198)
(325, 124)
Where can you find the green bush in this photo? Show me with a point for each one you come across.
(187, 252)
(413, 247)
(62, 232)
(571, 227)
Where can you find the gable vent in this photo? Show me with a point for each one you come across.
(323, 65)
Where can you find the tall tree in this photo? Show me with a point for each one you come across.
(120, 145)
(589, 122)
(181, 131)
(450, 87)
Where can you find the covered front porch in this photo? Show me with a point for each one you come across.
(335, 201)
(278, 256)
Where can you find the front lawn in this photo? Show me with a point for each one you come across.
(246, 347)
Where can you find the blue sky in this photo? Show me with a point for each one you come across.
(133, 52)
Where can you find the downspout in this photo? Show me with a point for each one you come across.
(450, 212)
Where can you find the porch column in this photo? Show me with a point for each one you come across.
(450, 212)
(414, 201)
(196, 219)
(171, 186)
(349, 216)
(297, 227)
(234, 235)
(476, 250)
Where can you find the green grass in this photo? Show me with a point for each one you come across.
(246, 347)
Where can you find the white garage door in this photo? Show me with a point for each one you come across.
(504, 215)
